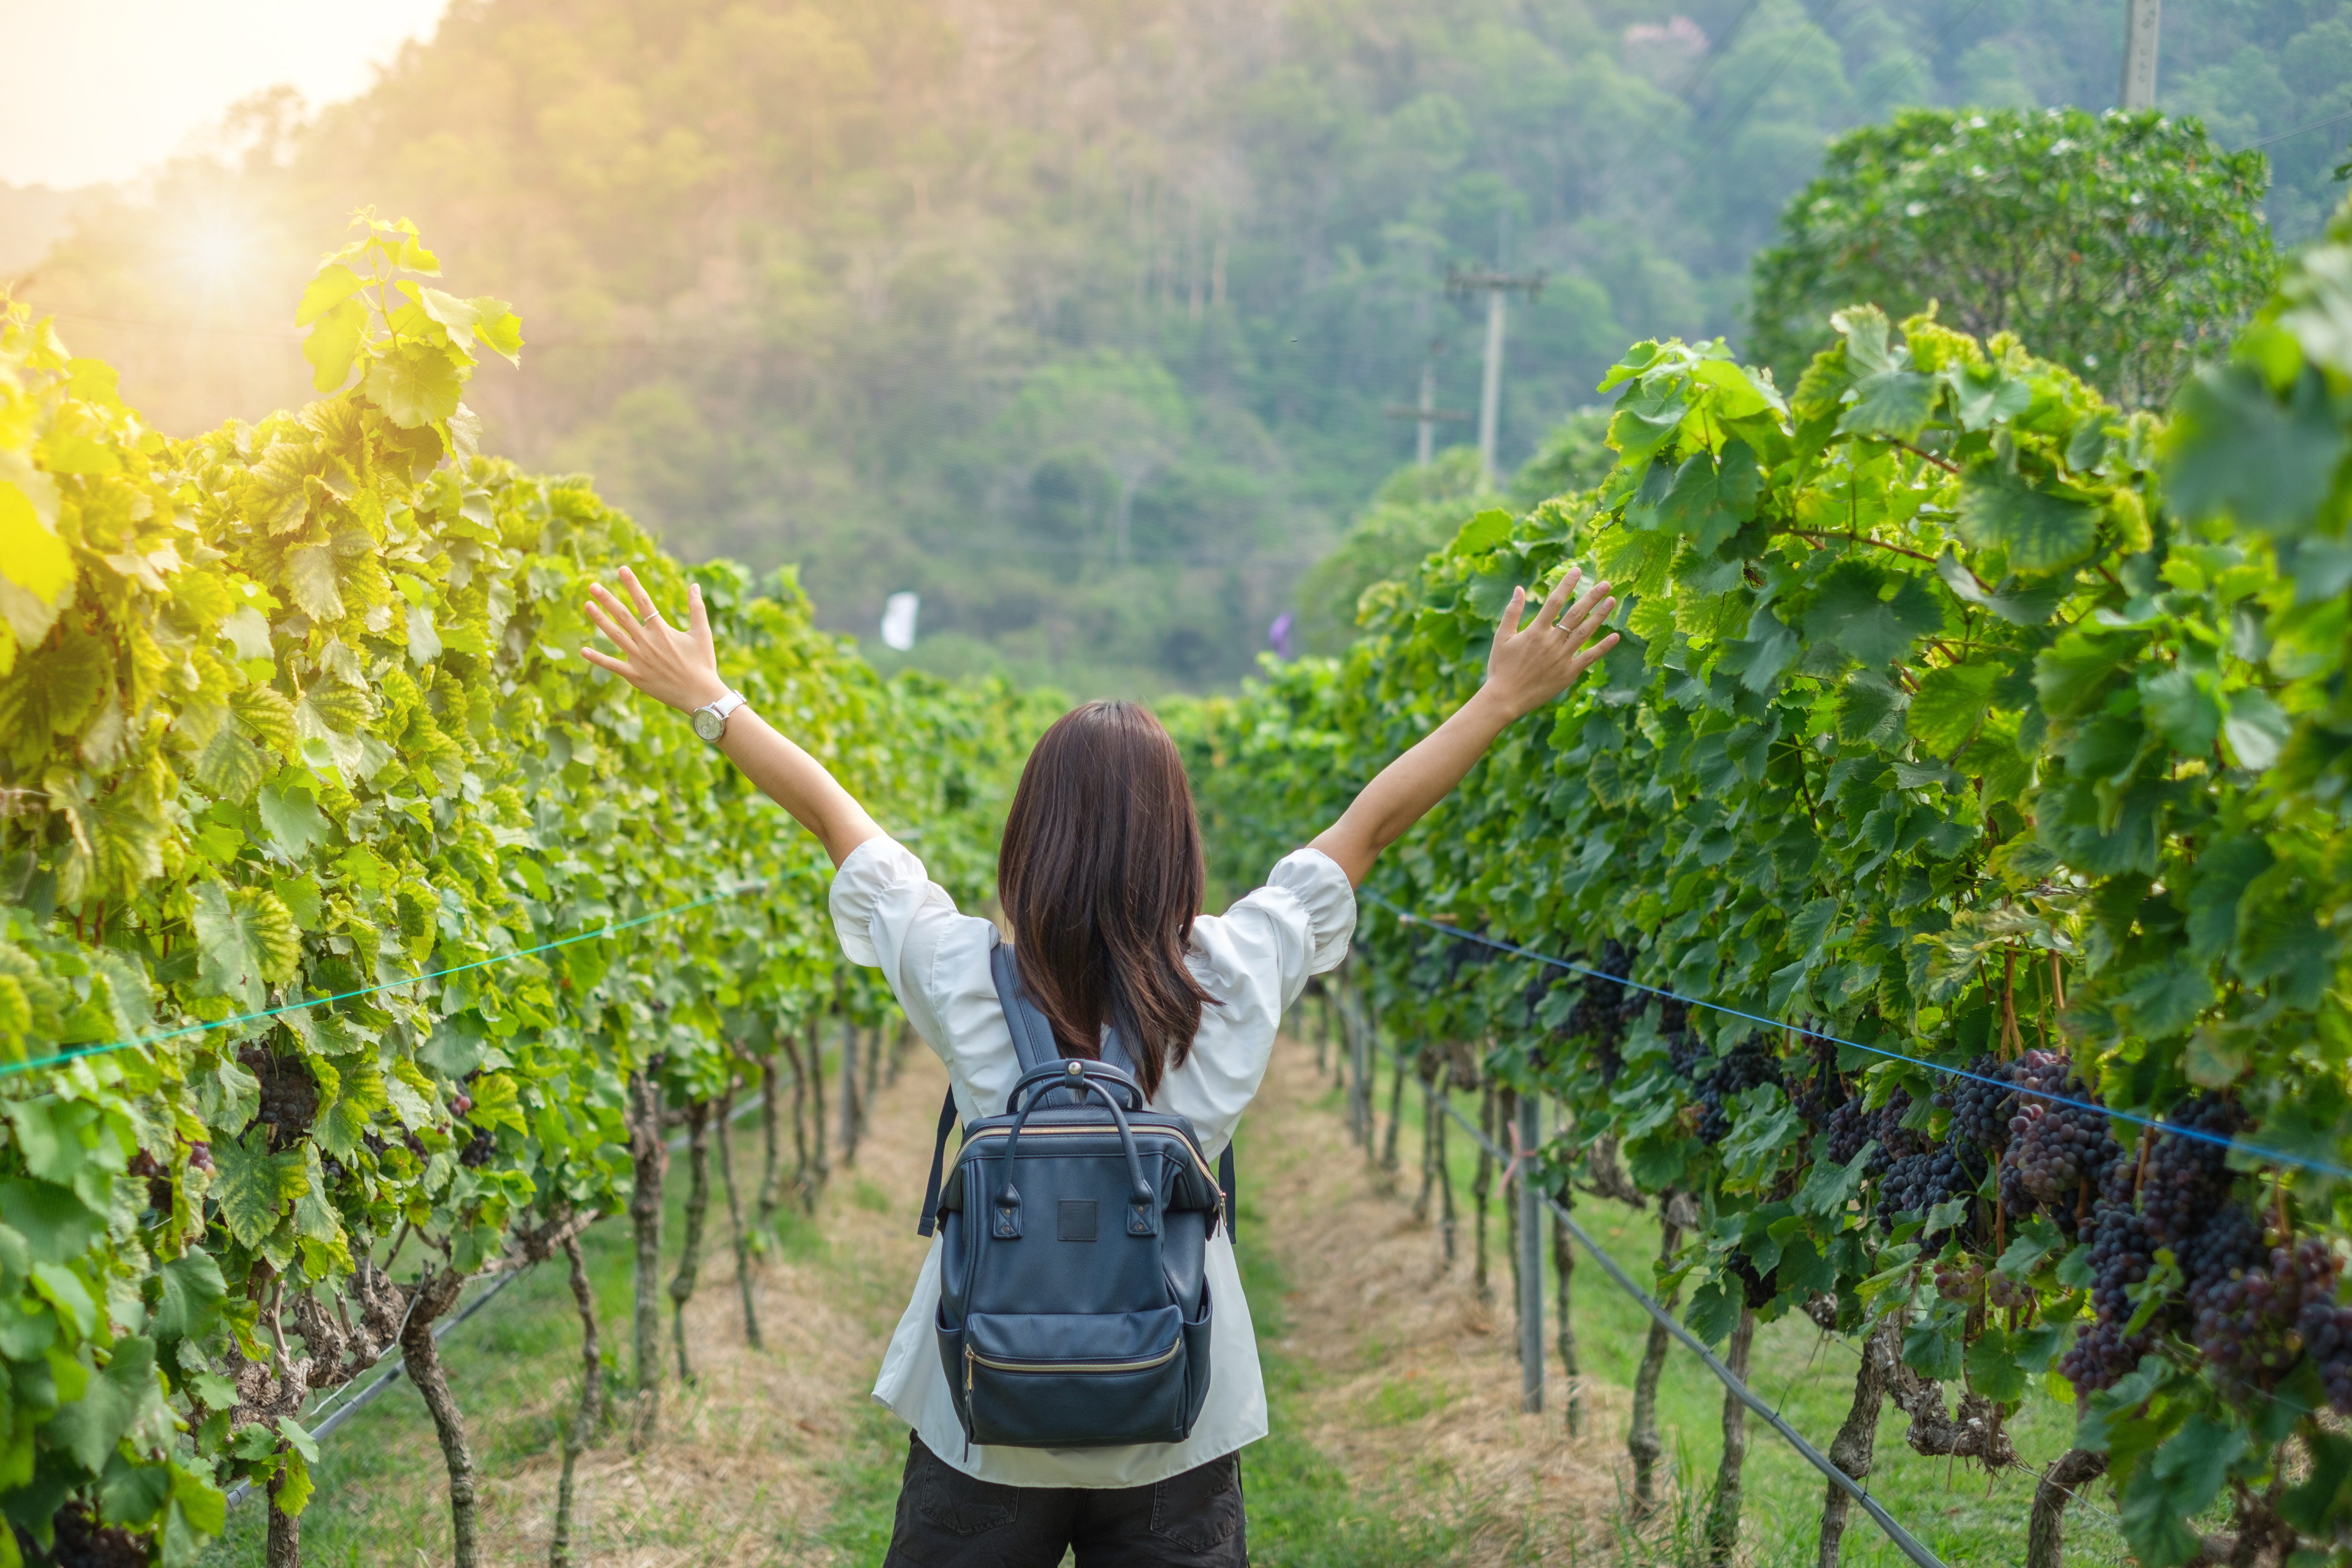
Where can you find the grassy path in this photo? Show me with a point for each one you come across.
(1397, 1438)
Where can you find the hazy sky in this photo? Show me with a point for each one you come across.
(98, 90)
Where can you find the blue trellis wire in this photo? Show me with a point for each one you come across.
(609, 929)
(2276, 1156)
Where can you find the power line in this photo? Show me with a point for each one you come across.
(2290, 135)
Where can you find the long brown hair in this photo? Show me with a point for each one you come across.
(1100, 876)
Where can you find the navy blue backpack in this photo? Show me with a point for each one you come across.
(1073, 1305)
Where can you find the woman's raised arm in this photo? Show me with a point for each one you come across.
(681, 669)
(1525, 670)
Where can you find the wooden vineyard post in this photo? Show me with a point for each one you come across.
(739, 1233)
(697, 1205)
(1563, 1262)
(1530, 1241)
(1642, 1433)
(1723, 1517)
(849, 1118)
(650, 1157)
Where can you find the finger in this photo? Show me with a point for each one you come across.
(1549, 613)
(1584, 626)
(606, 661)
(1589, 657)
(1511, 616)
(1585, 602)
(637, 592)
(618, 632)
(603, 600)
(698, 618)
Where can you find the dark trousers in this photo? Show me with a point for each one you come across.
(948, 1520)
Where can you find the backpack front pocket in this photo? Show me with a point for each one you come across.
(1075, 1381)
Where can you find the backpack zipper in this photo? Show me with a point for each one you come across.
(1199, 1161)
(972, 1358)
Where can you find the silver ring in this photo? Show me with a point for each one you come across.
(649, 615)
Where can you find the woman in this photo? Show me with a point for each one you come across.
(1100, 878)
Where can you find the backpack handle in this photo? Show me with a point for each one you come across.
(1142, 1208)
(1063, 1075)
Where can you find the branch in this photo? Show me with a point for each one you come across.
(1820, 537)
(1944, 463)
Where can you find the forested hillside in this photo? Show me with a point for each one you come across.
(1081, 319)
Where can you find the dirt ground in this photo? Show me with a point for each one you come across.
(1409, 1381)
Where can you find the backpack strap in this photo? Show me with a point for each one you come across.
(930, 1221)
(1225, 1180)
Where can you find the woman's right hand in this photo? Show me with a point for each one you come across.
(1527, 667)
(679, 668)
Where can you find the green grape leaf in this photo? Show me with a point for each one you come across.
(55, 1223)
(2256, 730)
(1870, 708)
(2183, 706)
(1987, 395)
(414, 384)
(294, 824)
(265, 711)
(189, 1302)
(1991, 1366)
(334, 344)
(2039, 533)
(333, 284)
(88, 1427)
(1897, 403)
(229, 766)
(1849, 611)
(1714, 1311)
(245, 939)
(497, 327)
(253, 1185)
(311, 578)
(1707, 501)
(1949, 705)
(2236, 451)
(2026, 605)
(1482, 533)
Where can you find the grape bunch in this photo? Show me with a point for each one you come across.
(1750, 1063)
(2056, 1150)
(1980, 1110)
(2100, 1357)
(1823, 1090)
(2122, 1255)
(290, 1096)
(81, 1541)
(2187, 1177)
(1957, 1283)
(2249, 1329)
(2326, 1328)
(1896, 1142)
(1849, 1127)
(1757, 1290)
(1917, 1184)
(478, 1150)
(2223, 1249)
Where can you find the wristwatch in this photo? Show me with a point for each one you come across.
(710, 719)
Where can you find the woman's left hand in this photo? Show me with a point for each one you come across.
(679, 668)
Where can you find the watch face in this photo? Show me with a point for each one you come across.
(708, 725)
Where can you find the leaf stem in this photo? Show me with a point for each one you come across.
(1820, 537)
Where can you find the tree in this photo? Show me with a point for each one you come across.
(2124, 247)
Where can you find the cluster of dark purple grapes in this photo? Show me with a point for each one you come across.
(1917, 1184)
(290, 1096)
(1750, 1065)
(1896, 1142)
(1850, 1126)
(2249, 1328)
(81, 1541)
(2058, 1154)
(2326, 1331)
(1980, 1104)
(2101, 1356)
(2187, 1177)
(479, 1148)
(1822, 1090)
(1756, 1288)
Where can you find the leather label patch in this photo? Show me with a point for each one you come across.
(1078, 1219)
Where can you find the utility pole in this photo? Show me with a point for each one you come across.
(1426, 411)
(2140, 25)
(1495, 286)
